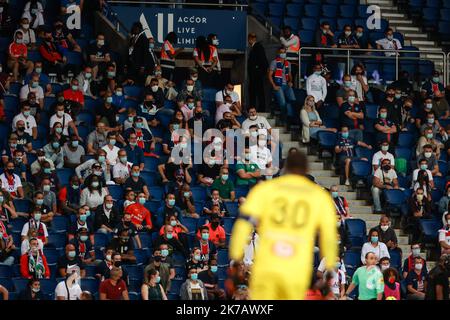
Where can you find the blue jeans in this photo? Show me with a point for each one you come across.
(285, 96)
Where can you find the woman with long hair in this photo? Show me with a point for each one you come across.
(312, 123)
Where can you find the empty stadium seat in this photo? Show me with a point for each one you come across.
(116, 191)
(135, 272)
(430, 230)
(222, 258)
(395, 200)
(356, 227)
(89, 284)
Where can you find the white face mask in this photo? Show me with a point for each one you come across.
(154, 88)
(419, 197)
(384, 228)
(384, 267)
(60, 113)
(190, 88)
(253, 117)
(418, 266)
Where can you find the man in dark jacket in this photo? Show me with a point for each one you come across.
(138, 51)
(106, 216)
(257, 68)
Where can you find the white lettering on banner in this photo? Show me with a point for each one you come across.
(192, 19)
(74, 17)
(374, 21)
(181, 30)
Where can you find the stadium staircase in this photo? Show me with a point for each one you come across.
(324, 174)
(413, 35)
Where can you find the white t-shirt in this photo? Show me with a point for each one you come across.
(220, 94)
(30, 123)
(260, 121)
(416, 173)
(322, 263)
(379, 156)
(26, 89)
(337, 280)
(28, 36)
(10, 188)
(25, 246)
(72, 293)
(380, 251)
(121, 170)
(356, 85)
(316, 86)
(64, 120)
(386, 44)
(111, 154)
(386, 178)
(260, 156)
(444, 235)
(26, 228)
(221, 110)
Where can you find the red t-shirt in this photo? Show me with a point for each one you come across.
(139, 213)
(113, 292)
(76, 96)
(18, 50)
(214, 235)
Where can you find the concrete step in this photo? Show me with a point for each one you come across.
(419, 43)
(359, 210)
(321, 173)
(349, 196)
(264, 114)
(393, 22)
(380, 3)
(410, 29)
(327, 181)
(413, 36)
(352, 203)
(316, 166)
(392, 15)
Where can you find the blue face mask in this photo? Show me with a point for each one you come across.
(83, 217)
(345, 135)
(139, 125)
(39, 202)
(187, 194)
(55, 145)
(205, 236)
(176, 126)
(74, 144)
(157, 279)
(83, 238)
(135, 174)
(2, 199)
(171, 202)
(213, 269)
(142, 201)
(164, 252)
(374, 239)
(194, 276)
(71, 254)
(109, 100)
(47, 170)
(101, 159)
(169, 236)
(334, 194)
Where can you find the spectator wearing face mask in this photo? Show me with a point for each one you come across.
(195, 261)
(136, 183)
(32, 291)
(134, 152)
(69, 288)
(49, 196)
(438, 283)
(74, 95)
(432, 85)
(216, 231)
(66, 121)
(384, 178)
(70, 262)
(154, 90)
(409, 263)
(389, 43)
(200, 118)
(106, 216)
(432, 122)
(224, 185)
(17, 56)
(97, 138)
(255, 119)
(152, 288)
(427, 140)
(280, 78)
(426, 108)
(122, 169)
(140, 214)
(186, 201)
(206, 60)
(168, 239)
(126, 225)
(82, 220)
(83, 246)
(99, 55)
(312, 123)
(111, 149)
(73, 153)
(387, 233)
(391, 284)
(96, 166)
(189, 90)
(422, 166)
(11, 183)
(23, 139)
(375, 246)
(359, 79)
(169, 54)
(210, 280)
(33, 86)
(444, 234)
(382, 154)
(345, 151)
(385, 129)
(63, 38)
(85, 81)
(69, 197)
(34, 12)
(193, 289)
(416, 281)
(260, 154)
(93, 194)
(168, 87)
(54, 152)
(53, 59)
(114, 288)
(124, 245)
(420, 207)
(11, 148)
(28, 119)
(33, 264)
(161, 263)
(369, 280)
(193, 75)
(340, 203)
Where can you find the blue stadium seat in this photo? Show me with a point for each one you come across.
(232, 208)
(356, 227)
(75, 58)
(329, 11)
(342, 22)
(18, 223)
(64, 175)
(228, 224)
(180, 273)
(294, 10)
(34, 56)
(5, 271)
(146, 239)
(327, 140)
(309, 24)
(312, 10)
(153, 205)
(276, 9)
(56, 88)
(191, 224)
(157, 193)
(19, 284)
(241, 191)
(100, 239)
(14, 88)
(433, 3)
(11, 104)
(439, 182)
(135, 272)
(396, 259)
(352, 261)
(443, 167)
(134, 296)
(347, 11)
(116, 191)
(291, 22)
(362, 152)
(430, 230)
(209, 94)
(91, 270)
(59, 223)
(57, 240)
(362, 11)
(275, 21)
(222, 258)
(133, 91)
(90, 285)
(141, 256)
(134, 285)
(306, 37)
(173, 296)
(175, 286)
(199, 193)
(7, 283)
(445, 14)
(406, 139)
(149, 178)
(371, 110)
(403, 152)
(395, 199)
(52, 255)
(87, 118)
(151, 164)
(48, 285)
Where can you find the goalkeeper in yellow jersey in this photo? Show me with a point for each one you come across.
(288, 211)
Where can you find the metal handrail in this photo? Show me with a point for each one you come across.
(206, 4)
(447, 67)
(396, 57)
